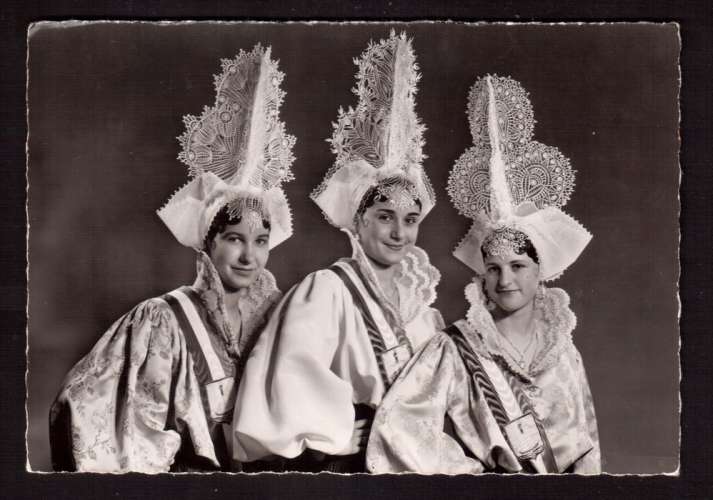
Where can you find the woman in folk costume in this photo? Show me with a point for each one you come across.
(157, 391)
(340, 337)
(503, 389)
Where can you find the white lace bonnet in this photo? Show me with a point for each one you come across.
(237, 152)
(382, 138)
(507, 180)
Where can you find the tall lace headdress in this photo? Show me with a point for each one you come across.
(506, 181)
(380, 142)
(237, 152)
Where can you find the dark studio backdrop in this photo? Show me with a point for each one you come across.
(105, 106)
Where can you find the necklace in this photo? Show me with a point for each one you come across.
(521, 355)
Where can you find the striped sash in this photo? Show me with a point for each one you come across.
(391, 347)
(215, 373)
(496, 404)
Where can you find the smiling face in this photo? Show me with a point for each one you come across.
(386, 230)
(511, 280)
(239, 253)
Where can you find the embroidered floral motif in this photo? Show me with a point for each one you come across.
(134, 396)
(408, 430)
(91, 387)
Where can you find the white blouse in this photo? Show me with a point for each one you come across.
(314, 360)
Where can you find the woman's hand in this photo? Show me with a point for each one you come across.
(359, 439)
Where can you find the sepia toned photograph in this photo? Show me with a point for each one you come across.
(353, 247)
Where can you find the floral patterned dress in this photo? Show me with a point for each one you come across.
(437, 391)
(138, 400)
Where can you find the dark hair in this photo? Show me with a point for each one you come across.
(373, 195)
(221, 220)
(531, 251)
(525, 248)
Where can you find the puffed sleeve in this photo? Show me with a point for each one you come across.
(123, 406)
(289, 398)
(590, 462)
(408, 430)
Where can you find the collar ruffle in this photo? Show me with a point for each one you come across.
(257, 300)
(416, 279)
(555, 323)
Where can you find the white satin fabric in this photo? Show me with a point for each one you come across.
(314, 361)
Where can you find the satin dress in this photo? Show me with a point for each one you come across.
(143, 400)
(437, 419)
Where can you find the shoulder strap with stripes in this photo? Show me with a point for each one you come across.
(394, 322)
(390, 357)
(215, 375)
(480, 377)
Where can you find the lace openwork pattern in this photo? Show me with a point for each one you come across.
(241, 135)
(380, 139)
(516, 120)
(534, 171)
(555, 323)
(384, 127)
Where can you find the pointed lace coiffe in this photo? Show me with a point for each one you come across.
(238, 153)
(379, 140)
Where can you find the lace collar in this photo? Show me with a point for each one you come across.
(416, 280)
(555, 322)
(260, 296)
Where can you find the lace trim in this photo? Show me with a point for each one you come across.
(555, 323)
(260, 296)
(416, 279)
